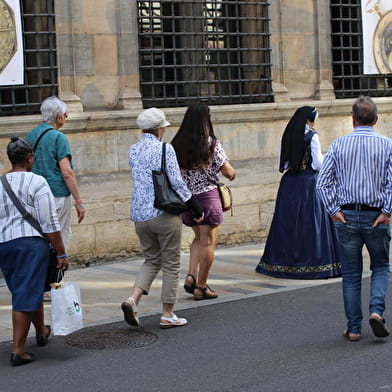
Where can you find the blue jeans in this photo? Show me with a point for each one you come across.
(358, 231)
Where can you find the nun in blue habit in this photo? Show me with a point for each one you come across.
(302, 242)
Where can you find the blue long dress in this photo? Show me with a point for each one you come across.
(302, 242)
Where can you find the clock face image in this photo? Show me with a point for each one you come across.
(383, 44)
(8, 43)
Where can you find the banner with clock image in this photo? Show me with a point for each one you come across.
(377, 36)
(11, 45)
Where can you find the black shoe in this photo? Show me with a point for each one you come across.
(43, 339)
(17, 360)
(378, 326)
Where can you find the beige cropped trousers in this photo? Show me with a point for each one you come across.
(160, 239)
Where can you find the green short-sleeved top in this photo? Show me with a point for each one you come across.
(52, 148)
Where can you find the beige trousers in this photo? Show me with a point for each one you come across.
(160, 239)
(64, 214)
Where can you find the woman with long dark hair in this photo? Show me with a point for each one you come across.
(201, 157)
(302, 242)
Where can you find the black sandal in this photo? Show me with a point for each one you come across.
(42, 340)
(204, 294)
(190, 288)
(17, 360)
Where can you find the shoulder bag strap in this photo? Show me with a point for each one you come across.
(40, 137)
(19, 206)
(163, 160)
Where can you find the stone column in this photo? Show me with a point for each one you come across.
(98, 54)
(66, 15)
(281, 93)
(325, 89)
(128, 48)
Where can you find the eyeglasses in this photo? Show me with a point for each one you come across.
(65, 115)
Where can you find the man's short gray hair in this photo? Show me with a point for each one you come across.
(51, 107)
(365, 110)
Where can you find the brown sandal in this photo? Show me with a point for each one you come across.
(190, 288)
(352, 337)
(204, 294)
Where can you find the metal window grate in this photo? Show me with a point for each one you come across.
(215, 51)
(347, 54)
(40, 63)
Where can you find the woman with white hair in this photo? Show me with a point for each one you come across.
(53, 161)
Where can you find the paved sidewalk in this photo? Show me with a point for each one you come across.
(104, 287)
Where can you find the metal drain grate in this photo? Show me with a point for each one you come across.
(110, 337)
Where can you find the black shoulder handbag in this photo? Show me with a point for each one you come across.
(166, 199)
(52, 275)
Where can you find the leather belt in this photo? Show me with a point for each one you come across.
(359, 207)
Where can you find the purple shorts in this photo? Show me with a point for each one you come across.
(212, 207)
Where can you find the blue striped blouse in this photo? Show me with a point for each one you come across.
(357, 169)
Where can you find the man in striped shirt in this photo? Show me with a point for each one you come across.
(355, 185)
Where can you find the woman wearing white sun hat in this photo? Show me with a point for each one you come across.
(159, 232)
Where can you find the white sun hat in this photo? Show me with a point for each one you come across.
(152, 118)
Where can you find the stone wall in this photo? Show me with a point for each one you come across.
(250, 135)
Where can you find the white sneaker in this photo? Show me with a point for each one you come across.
(130, 312)
(171, 322)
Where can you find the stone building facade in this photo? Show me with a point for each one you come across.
(98, 76)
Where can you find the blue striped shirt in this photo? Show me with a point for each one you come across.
(357, 169)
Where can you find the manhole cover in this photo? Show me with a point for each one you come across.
(110, 337)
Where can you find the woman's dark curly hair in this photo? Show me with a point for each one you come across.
(18, 149)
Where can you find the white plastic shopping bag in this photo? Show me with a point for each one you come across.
(67, 315)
